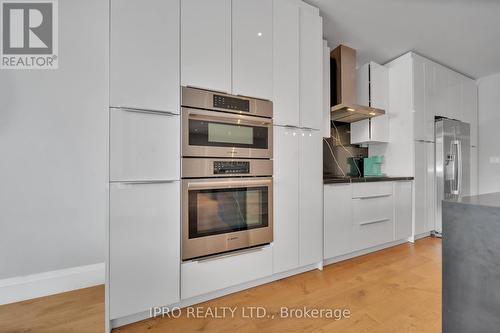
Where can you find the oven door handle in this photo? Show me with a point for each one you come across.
(237, 119)
(217, 184)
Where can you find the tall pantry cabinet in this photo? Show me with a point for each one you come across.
(419, 91)
(297, 101)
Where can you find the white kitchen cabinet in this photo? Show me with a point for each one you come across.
(403, 197)
(204, 276)
(286, 63)
(286, 198)
(326, 129)
(206, 44)
(454, 95)
(310, 75)
(425, 187)
(144, 146)
(373, 86)
(338, 229)
(252, 45)
(469, 108)
(310, 197)
(373, 130)
(144, 55)
(144, 247)
(474, 171)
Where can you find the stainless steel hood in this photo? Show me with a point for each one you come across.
(343, 64)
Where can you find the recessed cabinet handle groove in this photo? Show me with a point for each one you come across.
(127, 109)
(374, 221)
(142, 182)
(374, 196)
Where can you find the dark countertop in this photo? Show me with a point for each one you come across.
(486, 200)
(342, 180)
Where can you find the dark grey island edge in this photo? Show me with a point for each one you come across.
(342, 180)
(471, 264)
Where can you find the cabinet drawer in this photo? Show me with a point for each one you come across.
(201, 277)
(373, 220)
(144, 146)
(372, 210)
(366, 190)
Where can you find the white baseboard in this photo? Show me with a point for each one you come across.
(22, 288)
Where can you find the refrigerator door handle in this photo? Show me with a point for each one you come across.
(457, 160)
(459, 167)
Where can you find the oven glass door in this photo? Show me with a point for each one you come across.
(217, 210)
(218, 134)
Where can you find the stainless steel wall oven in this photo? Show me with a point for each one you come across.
(227, 185)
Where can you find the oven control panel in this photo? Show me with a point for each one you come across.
(231, 167)
(231, 103)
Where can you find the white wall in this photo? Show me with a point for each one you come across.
(489, 134)
(53, 151)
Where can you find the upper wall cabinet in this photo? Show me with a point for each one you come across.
(206, 44)
(311, 60)
(469, 108)
(144, 54)
(252, 45)
(286, 62)
(373, 86)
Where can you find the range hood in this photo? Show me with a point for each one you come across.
(343, 76)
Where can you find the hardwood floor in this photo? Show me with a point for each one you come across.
(394, 290)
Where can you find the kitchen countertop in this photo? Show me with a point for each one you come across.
(342, 180)
(486, 200)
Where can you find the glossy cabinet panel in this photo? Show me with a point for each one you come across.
(425, 187)
(252, 47)
(286, 198)
(144, 146)
(403, 210)
(206, 44)
(338, 229)
(144, 247)
(311, 197)
(286, 62)
(144, 55)
(311, 75)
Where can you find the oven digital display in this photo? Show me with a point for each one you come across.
(231, 167)
(231, 103)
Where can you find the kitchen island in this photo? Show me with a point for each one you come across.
(471, 264)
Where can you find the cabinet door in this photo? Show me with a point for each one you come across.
(425, 187)
(430, 103)
(326, 125)
(206, 44)
(473, 171)
(379, 86)
(144, 247)
(144, 146)
(360, 131)
(338, 230)
(454, 95)
(419, 97)
(379, 129)
(311, 197)
(403, 198)
(144, 54)
(440, 93)
(253, 48)
(286, 63)
(286, 198)
(469, 108)
(420, 188)
(311, 76)
(430, 183)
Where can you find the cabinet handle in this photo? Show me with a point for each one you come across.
(142, 182)
(374, 221)
(127, 109)
(374, 196)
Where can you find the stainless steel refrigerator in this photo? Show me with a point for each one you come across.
(452, 163)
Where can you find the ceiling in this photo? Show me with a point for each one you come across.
(461, 34)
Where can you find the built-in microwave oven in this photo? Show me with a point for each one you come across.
(220, 125)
